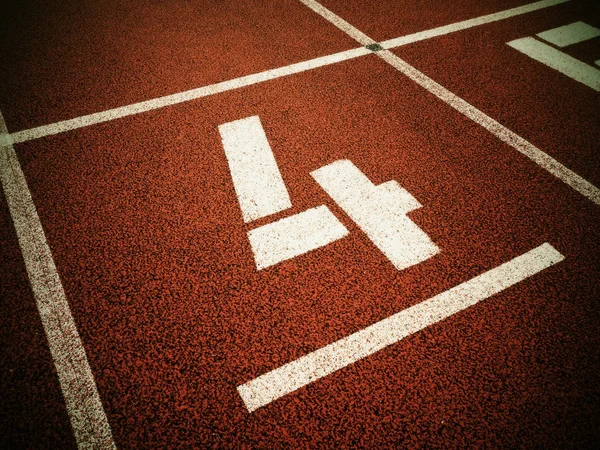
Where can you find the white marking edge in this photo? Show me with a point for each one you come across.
(256, 177)
(559, 61)
(84, 406)
(569, 34)
(248, 80)
(542, 159)
(295, 235)
(470, 23)
(379, 211)
(320, 363)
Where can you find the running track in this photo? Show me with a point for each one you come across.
(133, 313)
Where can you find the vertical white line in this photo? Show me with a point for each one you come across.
(320, 363)
(84, 407)
(256, 177)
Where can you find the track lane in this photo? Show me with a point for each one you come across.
(141, 215)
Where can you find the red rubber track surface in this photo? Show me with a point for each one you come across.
(148, 238)
(552, 111)
(146, 232)
(32, 411)
(63, 59)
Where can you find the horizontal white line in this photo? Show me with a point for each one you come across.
(320, 363)
(294, 236)
(559, 61)
(193, 94)
(470, 23)
(84, 407)
(569, 34)
(256, 178)
(181, 97)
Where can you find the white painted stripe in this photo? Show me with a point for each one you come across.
(380, 211)
(294, 236)
(470, 23)
(181, 97)
(84, 407)
(565, 64)
(320, 363)
(256, 177)
(236, 83)
(569, 34)
(350, 30)
(542, 159)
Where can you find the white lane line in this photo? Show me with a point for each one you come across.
(470, 23)
(379, 211)
(320, 363)
(236, 83)
(181, 97)
(84, 407)
(563, 63)
(294, 236)
(569, 34)
(256, 178)
(524, 147)
(544, 160)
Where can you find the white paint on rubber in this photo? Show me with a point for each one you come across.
(524, 147)
(256, 177)
(186, 96)
(248, 80)
(557, 60)
(320, 363)
(470, 23)
(380, 211)
(569, 34)
(294, 236)
(84, 407)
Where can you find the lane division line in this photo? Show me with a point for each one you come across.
(78, 387)
(260, 77)
(292, 376)
(524, 147)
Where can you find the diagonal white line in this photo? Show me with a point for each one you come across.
(84, 407)
(320, 363)
(470, 23)
(248, 80)
(524, 147)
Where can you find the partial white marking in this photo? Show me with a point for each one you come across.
(320, 363)
(569, 34)
(256, 177)
(295, 235)
(597, 62)
(186, 96)
(380, 211)
(565, 64)
(84, 407)
(542, 159)
(470, 23)
(236, 83)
